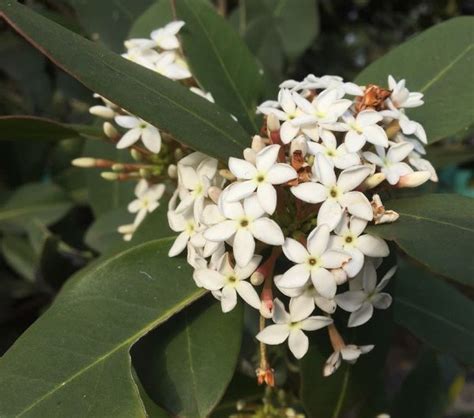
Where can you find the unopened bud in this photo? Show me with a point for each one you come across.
(240, 405)
(373, 181)
(266, 310)
(107, 175)
(258, 143)
(273, 123)
(84, 162)
(339, 275)
(214, 192)
(414, 179)
(126, 229)
(110, 131)
(118, 167)
(250, 155)
(102, 112)
(172, 171)
(257, 278)
(299, 144)
(178, 154)
(136, 155)
(227, 174)
(143, 172)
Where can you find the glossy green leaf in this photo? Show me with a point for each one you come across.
(445, 78)
(108, 21)
(45, 202)
(434, 311)
(160, 101)
(19, 255)
(186, 364)
(220, 60)
(435, 229)
(450, 155)
(74, 360)
(157, 15)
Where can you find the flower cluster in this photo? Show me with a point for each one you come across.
(161, 53)
(291, 215)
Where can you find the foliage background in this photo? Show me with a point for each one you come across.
(34, 264)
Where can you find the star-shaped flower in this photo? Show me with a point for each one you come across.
(147, 199)
(349, 353)
(261, 177)
(291, 326)
(363, 128)
(313, 262)
(138, 129)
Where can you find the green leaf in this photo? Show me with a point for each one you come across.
(450, 155)
(108, 21)
(220, 60)
(74, 360)
(445, 78)
(19, 255)
(25, 128)
(45, 202)
(154, 17)
(423, 394)
(435, 229)
(434, 311)
(158, 100)
(186, 364)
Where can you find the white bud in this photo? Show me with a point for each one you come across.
(414, 179)
(84, 162)
(265, 310)
(299, 144)
(273, 123)
(250, 155)
(172, 171)
(110, 131)
(102, 112)
(339, 275)
(373, 181)
(107, 175)
(257, 278)
(214, 192)
(258, 143)
(227, 174)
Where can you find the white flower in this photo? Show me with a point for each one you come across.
(196, 182)
(168, 64)
(313, 262)
(202, 93)
(324, 110)
(262, 176)
(422, 164)
(390, 162)
(164, 38)
(349, 353)
(144, 57)
(245, 223)
(401, 97)
(331, 82)
(336, 194)
(309, 293)
(365, 294)
(288, 113)
(138, 128)
(338, 156)
(230, 281)
(291, 326)
(127, 231)
(147, 199)
(363, 128)
(350, 239)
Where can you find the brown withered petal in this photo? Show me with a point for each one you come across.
(373, 98)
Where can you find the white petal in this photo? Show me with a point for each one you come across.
(310, 192)
(274, 334)
(129, 138)
(357, 225)
(296, 276)
(318, 240)
(267, 157)
(357, 204)
(128, 122)
(376, 135)
(298, 343)
(295, 251)
(355, 264)
(267, 197)
(281, 173)
(326, 305)
(288, 131)
(244, 272)
(209, 279)
(324, 282)
(372, 246)
(351, 301)
(151, 138)
(386, 278)
(381, 300)
(280, 316)
(373, 158)
(252, 207)
(314, 323)
(242, 169)
(267, 231)
(333, 259)
(228, 299)
(399, 152)
(221, 231)
(325, 171)
(286, 101)
(361, 316)
(369, 278)
(244, 247)
(354, 141)
(330, 213)
(179, 244)
(300, 309)
(240, 190)
(350, 178)
(248, 293)
(368, 117)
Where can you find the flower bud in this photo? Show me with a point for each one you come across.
(214, 193)
(299, 144)
(414, 179)
(172, 171)
(273, 123)
(250, 155)
(339, 275)
(257, 278)
(372, 181)
(266, 310)
(118, 167)
(110, 131)
(107, 175)
(258, 143)
(178, 154)
(84, 162)
(227, 174)
(102, 112)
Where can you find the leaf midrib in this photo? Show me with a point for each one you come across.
(129, 341)
(435, 221)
